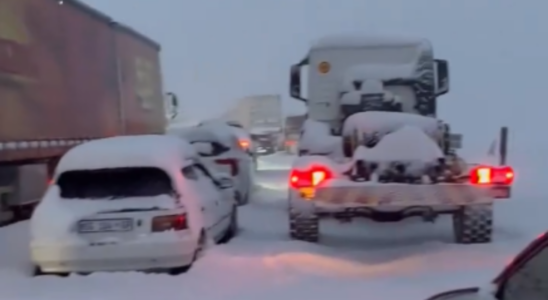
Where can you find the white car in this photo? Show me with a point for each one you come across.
(130, 203)
(219, 146)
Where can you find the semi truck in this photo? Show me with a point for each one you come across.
(373, 145)
(68, 74)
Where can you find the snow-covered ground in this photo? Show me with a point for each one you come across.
(362, 260)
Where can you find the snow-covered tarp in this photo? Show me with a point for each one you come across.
(408, 145)
(382, 122)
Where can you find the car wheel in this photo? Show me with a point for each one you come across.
(200, 248)
(37, 271)
(233, 228)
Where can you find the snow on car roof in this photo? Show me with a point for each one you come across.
(364, 40)
(209, 132)
(194, 134)
(240, 133)
(127, 151)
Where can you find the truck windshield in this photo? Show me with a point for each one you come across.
(115, 183)
(389, 55)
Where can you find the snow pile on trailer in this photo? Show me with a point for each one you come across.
(382, 122)
(408, 145)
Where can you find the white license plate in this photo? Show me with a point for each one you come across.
(105, 225)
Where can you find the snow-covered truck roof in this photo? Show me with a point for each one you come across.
(127, 151)
(358, 40)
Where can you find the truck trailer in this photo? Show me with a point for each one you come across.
(68, 74)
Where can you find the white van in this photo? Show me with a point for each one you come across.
(130, 203)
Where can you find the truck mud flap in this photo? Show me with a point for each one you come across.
(403, 195)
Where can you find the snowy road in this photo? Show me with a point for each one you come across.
(361, 260)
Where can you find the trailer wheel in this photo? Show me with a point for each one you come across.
(304, 227)
(473, 224)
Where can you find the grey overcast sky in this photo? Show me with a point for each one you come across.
(215, 51)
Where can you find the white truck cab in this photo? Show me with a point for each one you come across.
(388, 69)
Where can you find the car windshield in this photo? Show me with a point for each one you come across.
(115, 183)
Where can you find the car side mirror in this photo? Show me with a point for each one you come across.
(295, 80)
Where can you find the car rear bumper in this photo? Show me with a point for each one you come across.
(113, 257)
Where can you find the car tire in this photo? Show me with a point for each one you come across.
(473, 224)
(304, 228)
(233, 228)
(242, 199)
(37, 271)
(198, 252)
(245, 199)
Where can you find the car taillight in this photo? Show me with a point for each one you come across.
(232, 163)
(492, 175)
(309, 178)
(244, 144)
(171, 222)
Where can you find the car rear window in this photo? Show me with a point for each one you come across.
(115, 183)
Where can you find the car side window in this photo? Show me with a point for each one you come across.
(215, 148)
(189, 172)
(204, 172)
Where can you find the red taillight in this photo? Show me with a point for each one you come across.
(309, 178)
(166, 223)
(232, 163)
(289, 143)
(492, 175)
